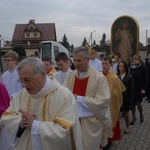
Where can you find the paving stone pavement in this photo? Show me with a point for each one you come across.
(139, 136)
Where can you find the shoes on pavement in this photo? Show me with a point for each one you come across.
(126, 131)
(141, 118)
(133, 121)
(108, 146)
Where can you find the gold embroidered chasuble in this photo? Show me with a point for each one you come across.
(95, 129)
(56, 108)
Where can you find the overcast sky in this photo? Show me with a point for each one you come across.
(75, 18)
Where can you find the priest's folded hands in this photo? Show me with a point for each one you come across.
(27, 119)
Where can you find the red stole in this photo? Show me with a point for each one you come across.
(80, 86)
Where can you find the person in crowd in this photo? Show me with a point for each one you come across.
(130, 63)
(147, 65)
(10, 77)
(71, 64)
(4, 98)
(101, 56)
(92, 94)
(50, 70)
(43, 116)
(97, 64)
(117, 60)
(116, 88)
(63, 66)
(140, 79)
(128, 95)
(4, 104)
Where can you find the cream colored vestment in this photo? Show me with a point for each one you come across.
(56, 108)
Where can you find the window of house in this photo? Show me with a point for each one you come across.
(31, 27)
(36, 53)
(35, 34)
(28, 34)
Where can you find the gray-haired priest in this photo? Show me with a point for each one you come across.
(92, 93)
(43, 116)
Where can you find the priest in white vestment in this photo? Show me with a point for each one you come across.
(93, 98)
(43, 116)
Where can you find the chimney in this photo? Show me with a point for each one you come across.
(32, 20)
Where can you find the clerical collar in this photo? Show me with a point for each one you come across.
(47, 82)
(81, 74)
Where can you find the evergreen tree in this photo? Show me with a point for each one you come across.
(103, 41)
(96, 47)
(20, 50)
(94, 43)
(72, 48)
(142, 47)
(105, 46)
(65, 42)
(84, 41)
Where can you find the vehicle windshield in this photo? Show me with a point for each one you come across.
(46, 50)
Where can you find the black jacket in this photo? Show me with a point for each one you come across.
(128, 95)
(140, 78)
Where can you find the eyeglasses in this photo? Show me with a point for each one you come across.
(8, 60)
(27, 80)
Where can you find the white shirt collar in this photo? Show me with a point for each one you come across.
(81, 74)
(48, 81)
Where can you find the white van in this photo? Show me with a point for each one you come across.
(51, 48)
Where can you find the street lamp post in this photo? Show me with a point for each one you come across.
(91, 38)
(1, 65)
(146, 36)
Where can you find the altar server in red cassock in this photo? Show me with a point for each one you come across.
(116, 88)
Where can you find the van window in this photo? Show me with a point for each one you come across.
(56, 51)
(46, 50)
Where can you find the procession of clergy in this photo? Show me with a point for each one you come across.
(45, 109)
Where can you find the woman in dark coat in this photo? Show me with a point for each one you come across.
(140, 78)
(147, 65)
(128, 95)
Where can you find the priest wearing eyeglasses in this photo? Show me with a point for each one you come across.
(43, 116)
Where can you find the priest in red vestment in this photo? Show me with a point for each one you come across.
(92, 93)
